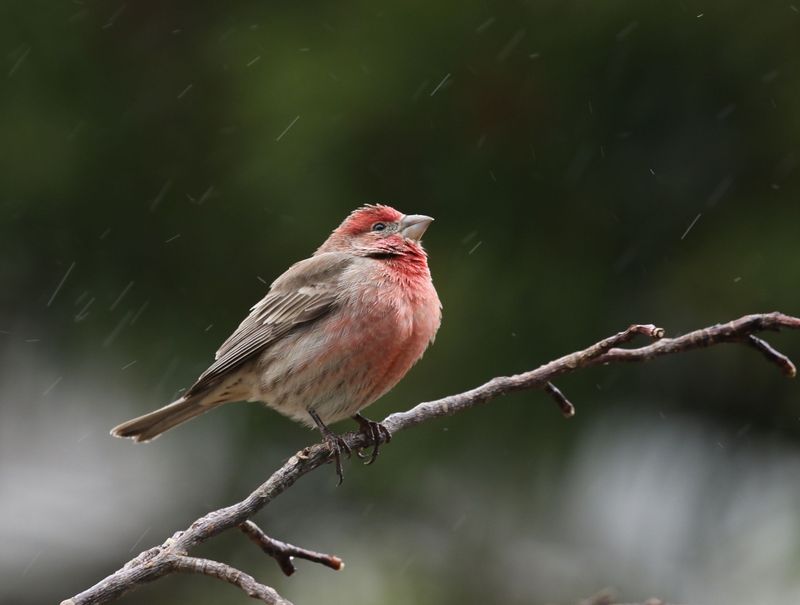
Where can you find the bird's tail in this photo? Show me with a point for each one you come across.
(150, 426)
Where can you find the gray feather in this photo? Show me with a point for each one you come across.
(305, 292)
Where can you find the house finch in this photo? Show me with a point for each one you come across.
(334, 333)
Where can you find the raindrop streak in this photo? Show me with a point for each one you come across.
(627, 30)
(113, 18)
(419, 90)
(52, 386)
(726, 111)
(19, 61)
(470, 236)
(719, 191)
(485, 25)
(172, 239)
(140, 311)
(185, 90)
(121, 296)
(61, 283)
(129, 364)
(293, 122)
(475, 247)
(160, 195)
(253, 61)
(74, 132)
(206, 195)
(511, 45)
(115, 332)
(135, 544)
(83, 313)
(33, 560)
(770, 76)
(689, 228)
(171, 367)
(440, 84)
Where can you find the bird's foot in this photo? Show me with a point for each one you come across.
(374, 431)
(336, 444)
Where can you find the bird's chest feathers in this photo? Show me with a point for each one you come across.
(394, 317)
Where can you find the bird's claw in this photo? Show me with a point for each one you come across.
(375, 432)
(337, 445)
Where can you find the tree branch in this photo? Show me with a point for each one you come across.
(229, 574)
(171, 556)
(283, 553)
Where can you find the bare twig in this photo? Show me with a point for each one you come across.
(221, 571)
(564, 404)
(283, 553)
(776, 357)
(160, 560)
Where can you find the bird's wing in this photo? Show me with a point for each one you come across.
(307, 291)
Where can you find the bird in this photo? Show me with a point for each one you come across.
(333, 334)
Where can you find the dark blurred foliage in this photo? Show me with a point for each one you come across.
(589, 165)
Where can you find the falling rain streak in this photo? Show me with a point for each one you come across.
(115, 332)
(692, 224)
(485, 25)
(84, 312)
(139, 311)
(19, 61)
(440, 84)
(506, 51)
(121, 296)
(160, 195)
(60, 284)
(285, 130)
(52, 386)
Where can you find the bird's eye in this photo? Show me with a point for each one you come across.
(379, 226)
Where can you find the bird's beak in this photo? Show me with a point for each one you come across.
(413, 226)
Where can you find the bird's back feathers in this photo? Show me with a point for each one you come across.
(304, 293)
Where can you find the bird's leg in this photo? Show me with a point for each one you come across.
(336, 444)
(373, 430)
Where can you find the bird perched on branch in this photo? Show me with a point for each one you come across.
(333, 334)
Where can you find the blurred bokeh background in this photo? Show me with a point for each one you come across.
(589, 165)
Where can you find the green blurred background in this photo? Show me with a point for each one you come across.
(589, 165)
